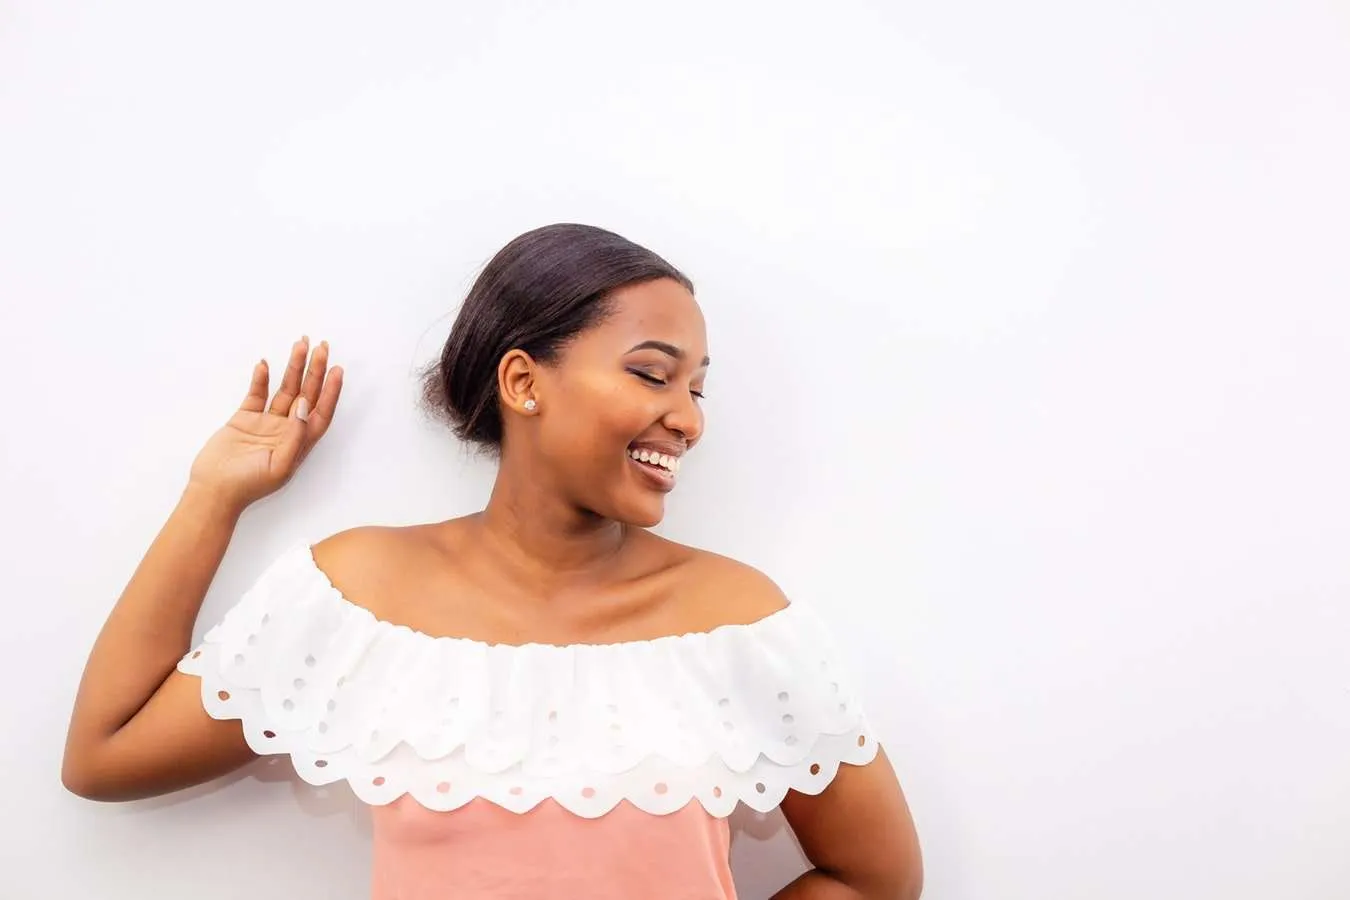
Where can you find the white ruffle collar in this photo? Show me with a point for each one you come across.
(741, 713)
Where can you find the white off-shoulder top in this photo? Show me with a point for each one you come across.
(661, 737)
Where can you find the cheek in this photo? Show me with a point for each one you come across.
(591, 415)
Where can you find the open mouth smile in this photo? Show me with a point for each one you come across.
(659, 469)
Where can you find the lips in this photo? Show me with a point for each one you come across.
(666, 461)
(656, 464)
(653, 477)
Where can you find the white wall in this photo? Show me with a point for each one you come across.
(1030, 336)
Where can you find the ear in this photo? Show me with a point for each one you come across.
(516, 382)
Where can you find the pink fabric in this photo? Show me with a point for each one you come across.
(482, 851)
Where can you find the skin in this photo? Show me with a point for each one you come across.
(560, 554)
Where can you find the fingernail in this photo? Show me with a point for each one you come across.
(302, 409)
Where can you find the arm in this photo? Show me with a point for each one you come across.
(138, 728)
(859, 836)
(857, 833)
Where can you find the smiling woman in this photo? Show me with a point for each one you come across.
(543, 698)
(581, 354)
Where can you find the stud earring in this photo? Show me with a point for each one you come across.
(530, 405)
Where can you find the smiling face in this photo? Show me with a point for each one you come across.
(619, 407)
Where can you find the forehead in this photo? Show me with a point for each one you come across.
(661, 310)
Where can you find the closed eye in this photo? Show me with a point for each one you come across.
(652, 379)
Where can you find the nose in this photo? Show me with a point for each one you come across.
(685, 419)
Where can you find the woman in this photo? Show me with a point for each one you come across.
(542, 699)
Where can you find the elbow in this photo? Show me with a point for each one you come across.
(77, 779)
(889, 883)
(907, 882)
(903, 886)
(904, 871)
(911, 886)
(902, 881)
(77, 782)
(81, 778)
(92, 789)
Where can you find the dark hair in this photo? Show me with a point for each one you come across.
(536, 294)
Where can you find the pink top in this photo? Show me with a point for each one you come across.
(483, 851)
(572, 771)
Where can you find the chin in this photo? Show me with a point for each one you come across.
(642, 518)
(644, 512)
(631, 501)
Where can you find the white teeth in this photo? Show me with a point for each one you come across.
(669, 463)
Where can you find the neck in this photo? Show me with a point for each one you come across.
(540, 535)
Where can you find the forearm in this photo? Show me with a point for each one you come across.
(150, 627)
(816, 884)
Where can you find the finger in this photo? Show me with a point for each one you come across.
(290, 382)
(256, 398)
(322, 414)
(318, 365)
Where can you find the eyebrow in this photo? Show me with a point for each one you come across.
(668, 349)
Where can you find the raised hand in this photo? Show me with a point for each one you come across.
(261, 446)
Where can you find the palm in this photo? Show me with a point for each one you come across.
(261, 446)
(252, 448)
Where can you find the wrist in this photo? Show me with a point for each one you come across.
(211, 502)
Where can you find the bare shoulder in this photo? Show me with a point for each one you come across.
(725, 591)
(368, 563)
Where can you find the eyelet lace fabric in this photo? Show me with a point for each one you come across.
(741, 713)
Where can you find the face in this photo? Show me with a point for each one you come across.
(619, 408)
